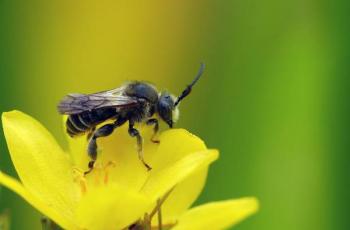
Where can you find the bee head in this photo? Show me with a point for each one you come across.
(168, 104)
(167, 109)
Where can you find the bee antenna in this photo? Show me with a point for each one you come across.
(188, 89)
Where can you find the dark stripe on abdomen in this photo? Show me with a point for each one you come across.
(78, 124)
(75, 126)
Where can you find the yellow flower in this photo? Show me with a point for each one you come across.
(119, 191)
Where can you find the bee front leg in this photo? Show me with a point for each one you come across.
(135, 133)
(154, 122)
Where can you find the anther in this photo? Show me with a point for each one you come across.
(80, 178)
(106, 169)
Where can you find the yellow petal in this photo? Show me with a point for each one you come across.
(44, 169)
(217, 215)
(18, 188)
(160, 181)
(111, 207)
(183, 196)
(163, 180)
(176, 144)
(121, 149)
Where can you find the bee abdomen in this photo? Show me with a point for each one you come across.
(77, 125)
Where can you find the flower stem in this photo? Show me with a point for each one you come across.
(48, 224)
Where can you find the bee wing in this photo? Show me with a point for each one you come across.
(77, 103)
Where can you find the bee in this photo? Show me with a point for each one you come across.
(133, 102)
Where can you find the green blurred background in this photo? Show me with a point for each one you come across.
(274, 97)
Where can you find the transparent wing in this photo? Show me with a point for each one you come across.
(77, 103)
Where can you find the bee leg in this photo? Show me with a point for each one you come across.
(90, 133)
(104, 131)
(154, 122)
(135, 133)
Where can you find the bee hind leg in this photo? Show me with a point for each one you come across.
(104, 131)
(90, 133)
(135, 133)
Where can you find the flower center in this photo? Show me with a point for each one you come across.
(99, 176)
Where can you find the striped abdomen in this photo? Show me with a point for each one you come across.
(81, 123)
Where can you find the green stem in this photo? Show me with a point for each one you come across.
(48, 224)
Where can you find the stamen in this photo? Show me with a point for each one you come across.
(80, 178)
(147, 219)
(106, 169)
(101, 173)
(160, 224)
(98, 173)
(160, 202)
